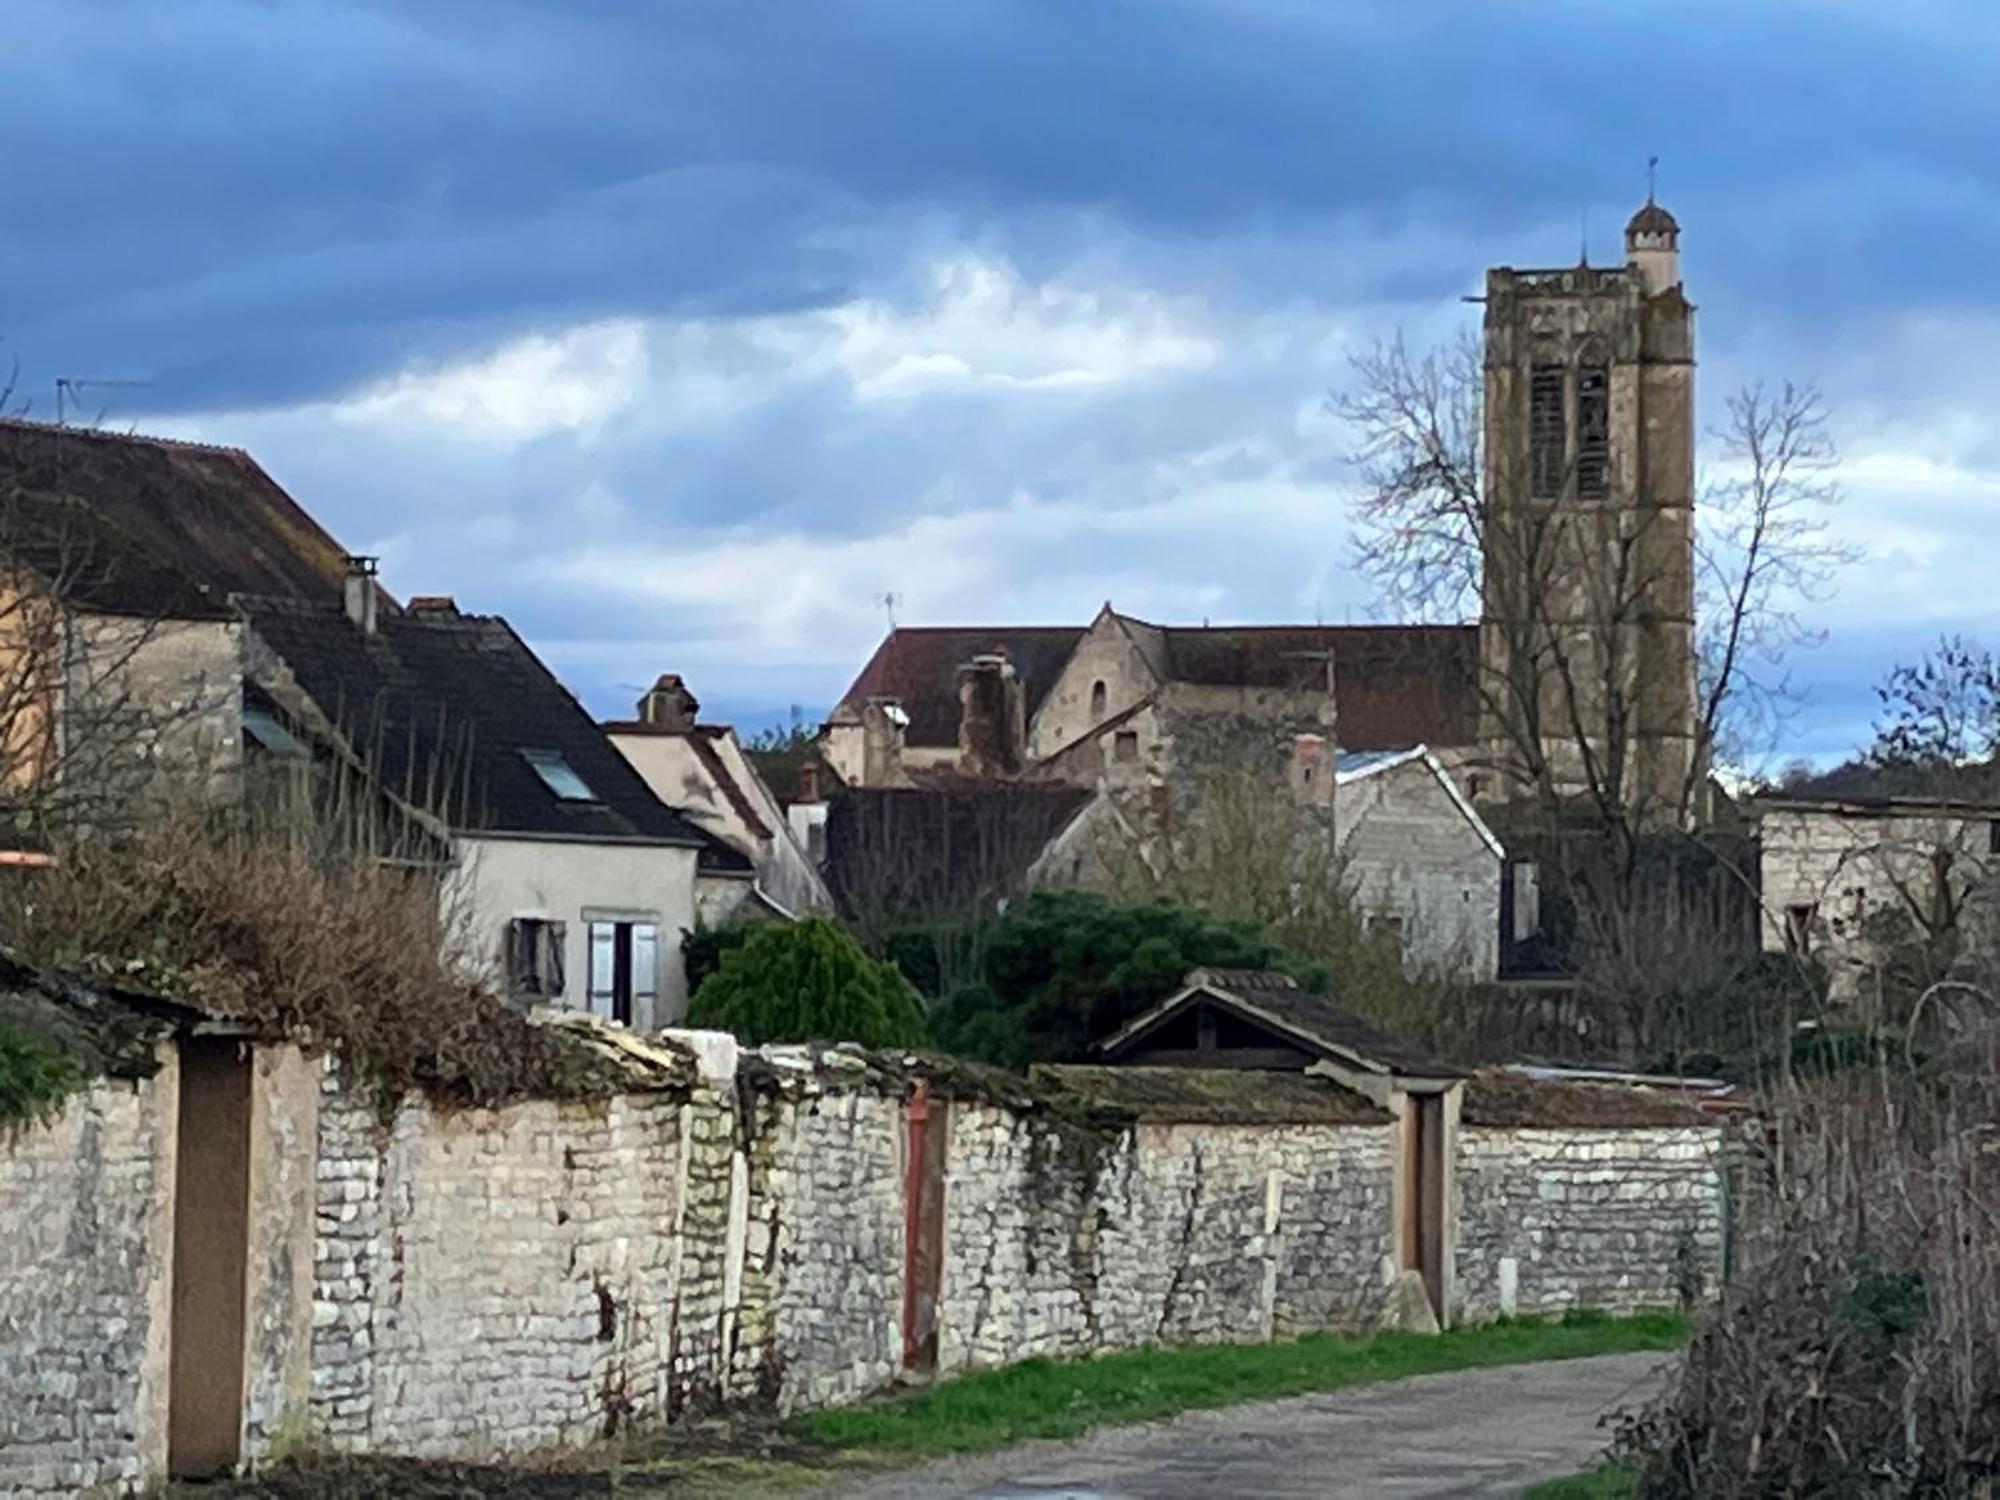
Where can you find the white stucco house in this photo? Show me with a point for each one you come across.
(566, 877)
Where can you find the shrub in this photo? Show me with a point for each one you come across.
(1065, 968)
(1857, 1349)
(35, 1078)
(294, 939)
(807, 981)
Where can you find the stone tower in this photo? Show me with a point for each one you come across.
(1587, 622)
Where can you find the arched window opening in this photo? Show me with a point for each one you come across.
(1097, 696)
(1593, 429)
(1547, 445)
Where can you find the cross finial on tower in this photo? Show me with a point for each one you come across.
(1652, 176)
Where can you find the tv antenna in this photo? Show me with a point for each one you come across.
(70, 387)
(891, 601)
(1652, 176)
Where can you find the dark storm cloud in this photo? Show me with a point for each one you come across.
(266, 201)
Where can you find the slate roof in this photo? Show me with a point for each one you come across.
(1316, 1021)
(949, 849)
(442, 704)
(1215, 1096)
(209, 513)
(918, 666)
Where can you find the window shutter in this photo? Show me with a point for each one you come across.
(554, 957)
(518, 956)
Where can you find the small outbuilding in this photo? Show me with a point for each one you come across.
(1261, 1020)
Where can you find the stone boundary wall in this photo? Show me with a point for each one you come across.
(1164, 1234)
(732, 1230)
(86, 1215)
(1619, 1219)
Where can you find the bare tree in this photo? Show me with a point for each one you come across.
(113, 678)
(1559, 693)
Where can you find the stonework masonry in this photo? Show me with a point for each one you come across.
(86, 1216)
(472, 1283)
(1551, 1219)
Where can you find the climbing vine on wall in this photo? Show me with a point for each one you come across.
(35, 1078)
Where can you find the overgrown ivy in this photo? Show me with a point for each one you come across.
(36, 1078)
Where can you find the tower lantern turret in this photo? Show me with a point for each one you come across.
(1653, 247)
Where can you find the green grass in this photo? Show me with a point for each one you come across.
(1612, 1482)
(1042, 1398)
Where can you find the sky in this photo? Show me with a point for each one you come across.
(702, 335)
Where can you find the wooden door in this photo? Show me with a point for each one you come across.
(211, 1249)
(1423, 1185)
(926, 1119)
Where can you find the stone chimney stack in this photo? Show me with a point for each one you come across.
(883, 724)
(669, 705)
(358, 592)
(808, 782)
(992, 716)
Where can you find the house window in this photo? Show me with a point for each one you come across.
(1593, 432)
(624, 968)
(1389, 923)
(1993, 836)
(1798, 926)
(557, 775)
(1125, 745)
(535, 958)
(1546, 431)
(1097, 696)
(1527, 900)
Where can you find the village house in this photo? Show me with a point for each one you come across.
(702, 771)
(232, 638)
(1861, 859)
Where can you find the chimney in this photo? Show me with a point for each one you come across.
(883, 724)
(808, 782)
(669, 705)
(359, 592)
(992, 716)
(431, 604)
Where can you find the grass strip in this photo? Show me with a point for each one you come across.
(1042, 1398)
(1612, 1482)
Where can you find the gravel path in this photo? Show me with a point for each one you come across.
(1471, 1433)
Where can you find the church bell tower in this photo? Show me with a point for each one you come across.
(1587, 632)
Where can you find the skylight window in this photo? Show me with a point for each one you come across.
(558, 776)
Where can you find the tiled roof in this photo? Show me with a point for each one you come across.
(442, 705)
(1394, 685)
(918, 666)
(1509, 1100)
(1866, 782)
(1216, 1096)
(1266, 997)
(86, 562)
(210, 513)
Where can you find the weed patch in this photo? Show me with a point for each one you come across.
(1042, 1398)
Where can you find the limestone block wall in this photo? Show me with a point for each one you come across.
(1550, 1219)
(820, 1316)
(86, 1222)
(1163, 1233)
(494, 1280)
